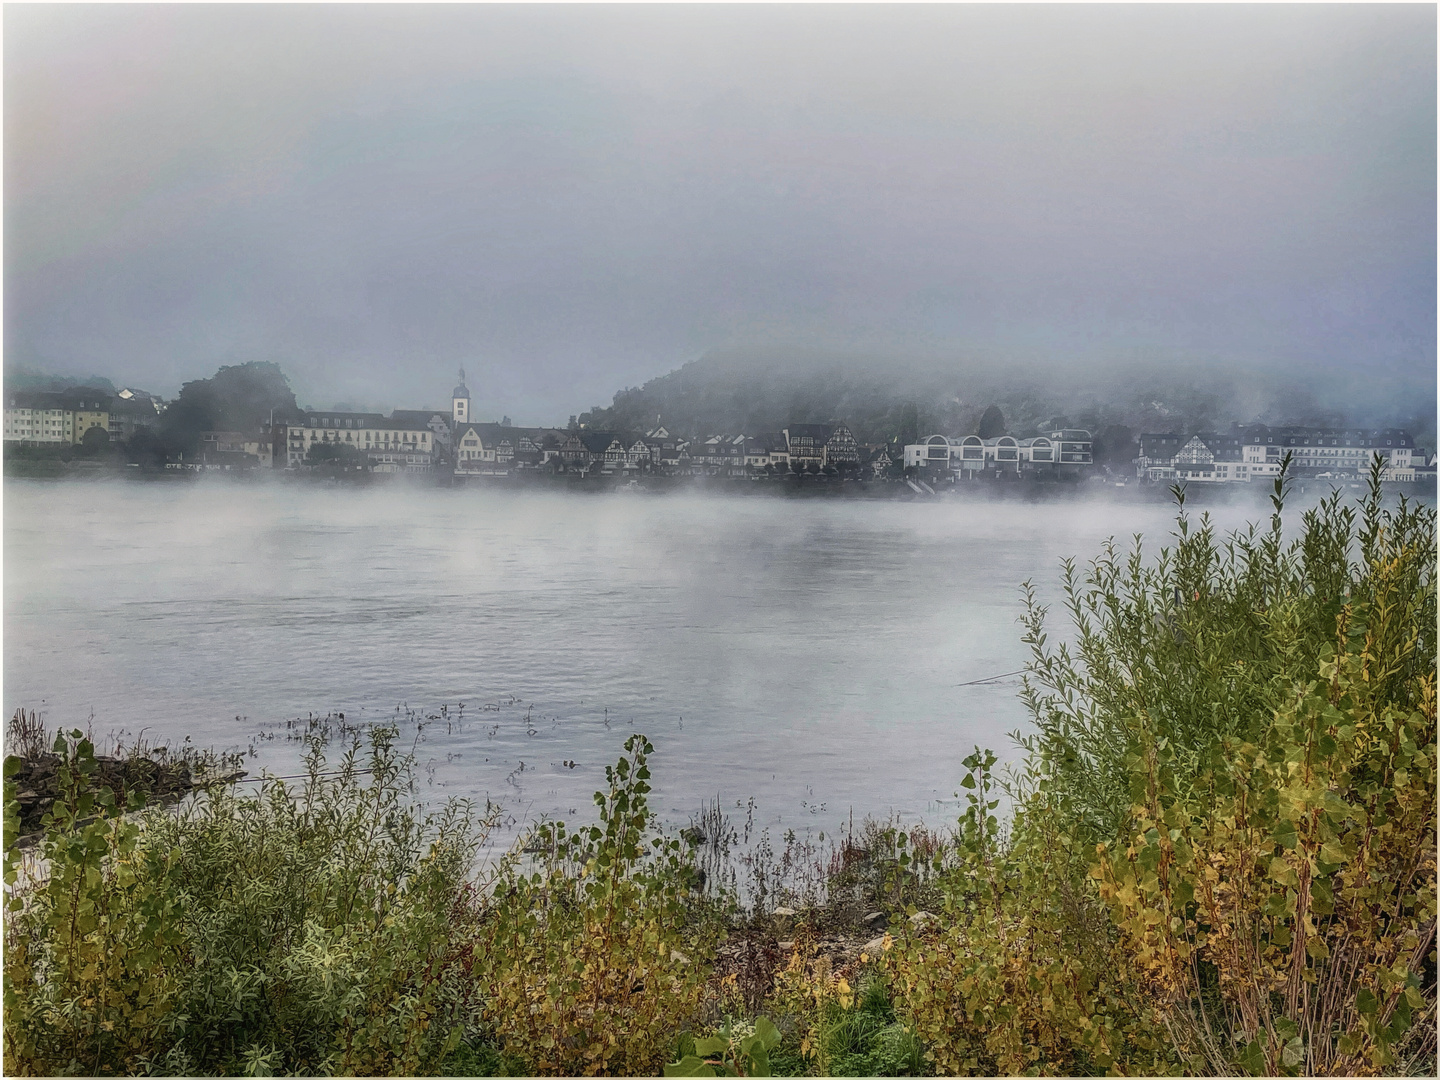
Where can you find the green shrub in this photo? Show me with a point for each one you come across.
(94, 954)
(308, 930)
(1281, 899)
(1221, 856)
(590, 962)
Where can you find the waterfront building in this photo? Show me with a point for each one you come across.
(133, 409)
(236, 449)
(841, 448)
(495, 449)
(776, 450)
(1243, 455)
(434, 419)
(766, 452)
(1338, 451)
(806, 443)
(389, 445)
(966, 457)
(1037, 453)
(664, 450)
(39, 417)
(935, 453)
(972, 455)
(1073, 447)
(880, 462)
(1157, 455)
(823, 444)
(1002, 454)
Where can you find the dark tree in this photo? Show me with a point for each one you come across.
(909, 425)
(992, 423)
(1116, 445)
(335, 453)
(146, 447)
(240, 397)
(96, 439)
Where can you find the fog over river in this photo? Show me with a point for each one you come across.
(807, 653)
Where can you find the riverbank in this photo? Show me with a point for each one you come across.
(1060, 489)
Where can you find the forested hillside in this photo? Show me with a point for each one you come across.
(882, 399)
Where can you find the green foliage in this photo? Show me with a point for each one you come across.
(737, 1049)
(992, 423)
(589, 959)
(238, 397)
(333, 454)
(309, 930)
(869, 1041)
(95, 440)
(1222, 854)
(1281, 899)
(95, 955)
(1019, 974)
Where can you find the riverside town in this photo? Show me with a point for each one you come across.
(86, 426)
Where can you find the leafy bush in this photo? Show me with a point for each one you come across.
(94, 956)
(1222, 851)
(589, 960)
(307, 930)
(739, 1048)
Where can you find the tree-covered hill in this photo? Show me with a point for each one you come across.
(885, 399)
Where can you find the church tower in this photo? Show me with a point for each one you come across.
(460, 403)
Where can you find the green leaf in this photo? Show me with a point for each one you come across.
(689, 1066)
(1282, 873)
(1252, 1058)
(712, 1045)
(1293, 1053)
(768, 1033)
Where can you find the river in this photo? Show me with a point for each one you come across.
(807, 653)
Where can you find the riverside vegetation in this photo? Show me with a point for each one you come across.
(1220, 859)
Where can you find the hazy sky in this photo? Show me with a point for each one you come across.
(572, 199)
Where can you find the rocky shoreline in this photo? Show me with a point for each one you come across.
(36, 782)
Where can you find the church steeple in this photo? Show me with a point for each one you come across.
(460, 402)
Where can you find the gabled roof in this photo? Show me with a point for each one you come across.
(810, 431)
(491, 434)
(423, 417)
(597, 442)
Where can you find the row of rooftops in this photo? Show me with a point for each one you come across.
(813, 434)
(84, 399)
(1079, 435)
(1229, 445)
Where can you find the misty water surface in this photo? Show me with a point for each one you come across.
(803, 652)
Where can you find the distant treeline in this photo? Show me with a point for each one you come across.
(886, 402)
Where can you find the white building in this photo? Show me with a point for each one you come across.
(389, 445)
(936, 452)
(1004, 453)
(1242, 456)
(1073, 446)
(1336, 451)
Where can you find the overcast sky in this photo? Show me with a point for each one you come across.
(568, 200)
